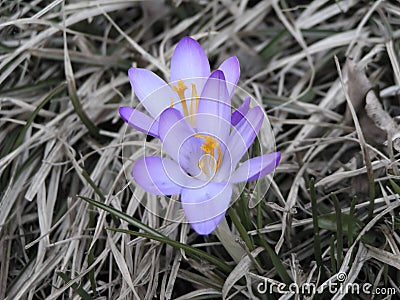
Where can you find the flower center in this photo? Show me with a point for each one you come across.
(208, 164)
(194, 101)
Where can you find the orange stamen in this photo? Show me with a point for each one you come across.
(207, 165)
(180, 90)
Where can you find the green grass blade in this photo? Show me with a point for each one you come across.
(280, 269)
(352, 222)
(123, 216)
(32, 117)
(69, 75)
(15, 140)
(317, 241)
(339, 232)
(92, 275)
(155, 235)
(332, 254)
(259, 216)
(395, 186)
(93, 185)
(351, 225)
(30, 88)
(90, 256)
(81, 113)
(243, 212)
(193, 252)
(274, 45)
(329, 222)
(76, 287)
(240, 228)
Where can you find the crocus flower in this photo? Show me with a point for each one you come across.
(190, 69)
(203, 162)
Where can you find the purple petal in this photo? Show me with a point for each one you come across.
(159, 176)
(244, 134)
(238, 114)
(152, 91)
(189, 61)
(178, 140)
(214, 113)
(139, 120)
(206, 206)
(256, 167)
(231, 69)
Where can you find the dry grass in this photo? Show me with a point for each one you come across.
(63, 76)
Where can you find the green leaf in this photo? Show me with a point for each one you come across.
(93, 185)
(395, 186)
(339, 230)
(329, 222)
(30, 88)
(155, 235)
(242, 210)
(123, 216)
(274, 46)
(191, 251)
(317, 241)
(240, 228)
(90, 256)
(351, 224)
(308, 97)
(332, 254)
(91, 127)
(280, 269)
(76, 287)
(32, 117)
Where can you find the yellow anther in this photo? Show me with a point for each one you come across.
(209, 145)
(194, 104)
(207, 163)
(172, 103)
(180, 90)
